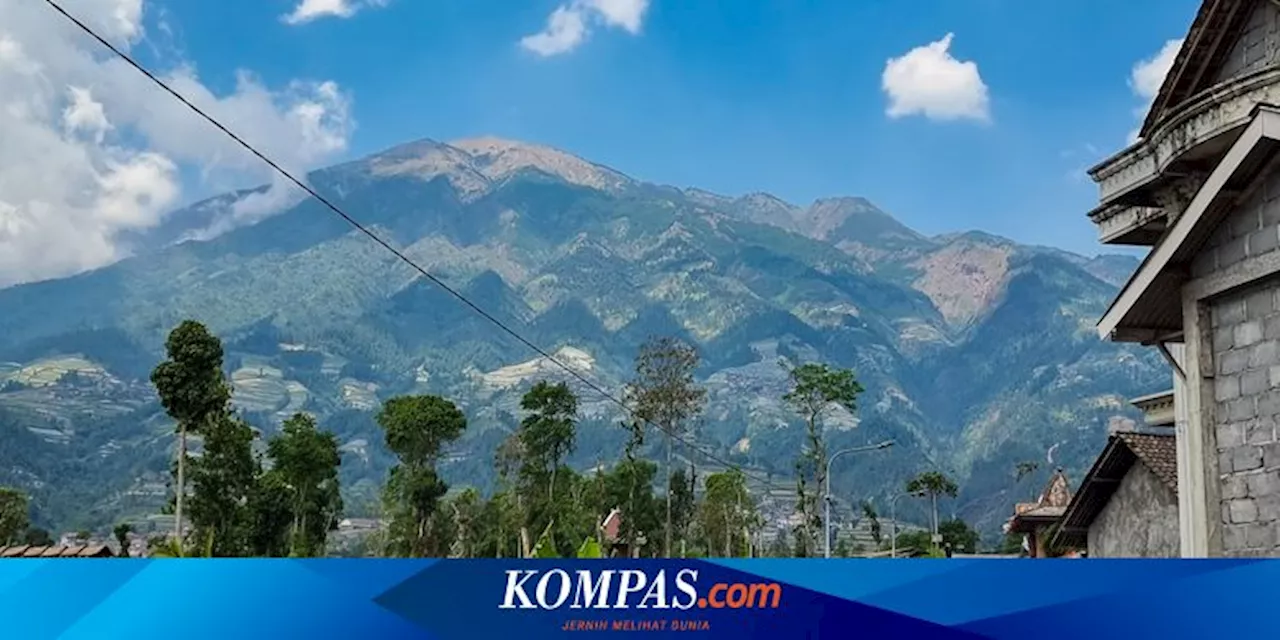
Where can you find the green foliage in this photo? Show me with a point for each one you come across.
(271, 511)
(121, 533)
(190, 382)
(728, 514)
(815, 389)
(546, 433)
(545, 547)
(873, 518)
(13, 515)
(1011, 543)
(306, 462)
(958, 536)
(684, 503)
(223, 478)
(194, 393)
(590, 549)
(932, 483)
(296, 278)
(37, 537)
(416, 428)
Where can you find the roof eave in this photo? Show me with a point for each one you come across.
(1264, 126)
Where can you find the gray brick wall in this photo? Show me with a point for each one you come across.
(1246, 346)
(1251, 230)
(1258, 46)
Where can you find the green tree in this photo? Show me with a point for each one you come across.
(665, 394)
(842, 549)
(14, 518)
(271, 513)
(37, 537)
(816, 390)
(728, 513)
(223, 479)
(469, 512)
(1011, 543)
(121, 533)
(416, 428)
(873, 520)
(507, 506)
(932, 484)
(958, 536)
(780, 547)
(193, 392)
(307, 460)
(547, 431)
(628, 486)
(684, 502)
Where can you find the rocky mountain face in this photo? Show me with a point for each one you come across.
(976, 352)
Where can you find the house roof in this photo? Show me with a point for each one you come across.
(1053, 501)
(1150, 304)
(1156, 451)
(1204, 49)
(57, 551)
(612, 525)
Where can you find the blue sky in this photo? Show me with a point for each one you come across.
(783, 96)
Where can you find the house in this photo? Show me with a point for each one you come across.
(611, 534)
(1038, 520)
(57, 551)
(1127, 504)
(1201, 188)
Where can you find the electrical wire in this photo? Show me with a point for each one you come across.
(396, 252)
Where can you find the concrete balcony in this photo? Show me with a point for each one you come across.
(1145, 187)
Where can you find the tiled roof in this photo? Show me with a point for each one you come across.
(57, 551)
(1158, 452)
(1154, 451)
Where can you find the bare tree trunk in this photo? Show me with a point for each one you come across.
(182, 488)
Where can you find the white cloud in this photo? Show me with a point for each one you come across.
(625, 14)
(570, 24)
(1149, 74)
(93, 151)
(930, 82)
(309, 10)
(1147, 77)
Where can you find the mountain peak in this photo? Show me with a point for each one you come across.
(499, 158)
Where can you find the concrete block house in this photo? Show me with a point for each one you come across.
(1127, 504)
(1201, 188)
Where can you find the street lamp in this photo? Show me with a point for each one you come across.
(826, 520)
(893, 524)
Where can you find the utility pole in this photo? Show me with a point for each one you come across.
(826, 493)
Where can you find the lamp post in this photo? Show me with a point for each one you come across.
(826, 520)
(893, 523)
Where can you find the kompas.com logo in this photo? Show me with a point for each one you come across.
(611, 589)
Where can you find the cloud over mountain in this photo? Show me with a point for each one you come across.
(93, 150)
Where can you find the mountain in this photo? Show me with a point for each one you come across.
(976, 352)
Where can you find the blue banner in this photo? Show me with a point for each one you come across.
(958, 598)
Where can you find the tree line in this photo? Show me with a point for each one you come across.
(233, 497)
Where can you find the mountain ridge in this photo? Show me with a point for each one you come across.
(973, 348)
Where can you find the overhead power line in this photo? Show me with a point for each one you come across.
(604, 393)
